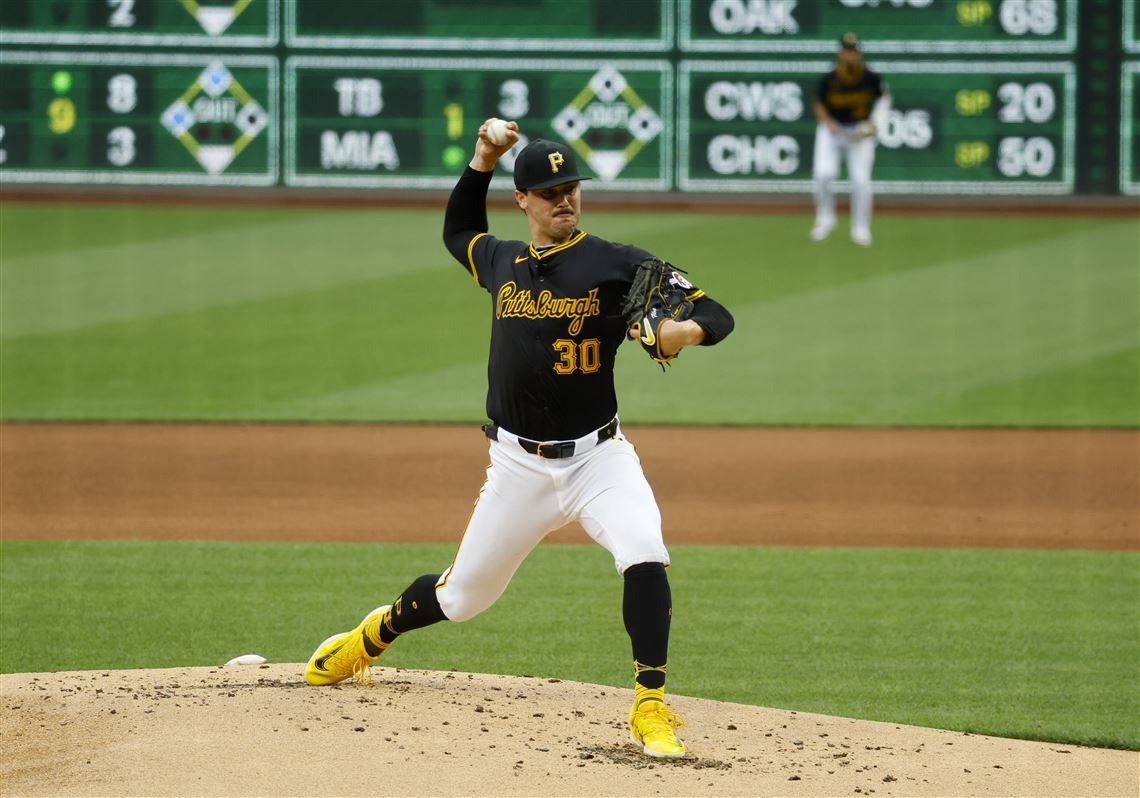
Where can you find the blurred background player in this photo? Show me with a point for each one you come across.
(850, 104)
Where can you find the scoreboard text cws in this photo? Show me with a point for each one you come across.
(962, 127)
(409, 122)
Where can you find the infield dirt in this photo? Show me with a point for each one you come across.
(261, 731)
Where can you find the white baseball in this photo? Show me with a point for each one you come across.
(247, 659)
(497, 132)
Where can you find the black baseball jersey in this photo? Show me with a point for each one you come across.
(555, 320)
(850, 100)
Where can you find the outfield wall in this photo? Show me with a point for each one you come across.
(1012, 98)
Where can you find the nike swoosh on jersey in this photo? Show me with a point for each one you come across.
(521, 258)
(320, 663)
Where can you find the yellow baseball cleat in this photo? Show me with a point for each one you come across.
(652, 724)
(345, 655)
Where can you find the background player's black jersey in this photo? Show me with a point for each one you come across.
(850, 101)
(555, 319)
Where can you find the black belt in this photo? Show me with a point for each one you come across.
(552, 450)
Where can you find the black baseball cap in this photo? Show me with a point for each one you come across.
(545, 164)
(849, 41)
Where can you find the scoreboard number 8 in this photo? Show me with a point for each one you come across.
(122, 93)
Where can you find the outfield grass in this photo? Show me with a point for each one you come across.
(121, 312)
(1039, 645)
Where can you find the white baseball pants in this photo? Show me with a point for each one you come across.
(525, 497)
(860, 154)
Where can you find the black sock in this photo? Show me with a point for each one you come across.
(415, 608)
(647, 608)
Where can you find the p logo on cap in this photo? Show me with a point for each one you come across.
(556, 160)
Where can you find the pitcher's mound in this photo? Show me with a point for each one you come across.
(260, 730)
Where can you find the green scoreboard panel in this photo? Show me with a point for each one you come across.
(132, 118)
(885, 26)
(1130, 128)
(954, 127)
(412, 122)
(502, 26)
(1130, 30)
(197, 23)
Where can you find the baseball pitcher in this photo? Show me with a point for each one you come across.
(561, 305)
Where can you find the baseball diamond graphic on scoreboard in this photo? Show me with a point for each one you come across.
(243, 23)
(410, 122)
(608, 103)
(886, 26)
(215, 118)
(954, 127)
(133, 118)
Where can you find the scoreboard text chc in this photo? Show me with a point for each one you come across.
(653, 95)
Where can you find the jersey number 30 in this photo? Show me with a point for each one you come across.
(584, 356)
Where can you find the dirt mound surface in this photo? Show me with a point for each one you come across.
(260, 730)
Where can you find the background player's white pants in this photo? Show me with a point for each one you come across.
(525, 497)
(860, 154)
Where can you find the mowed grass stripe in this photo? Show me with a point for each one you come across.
(1040, 645)
(894, 348)
(70, 266)
(206, 265)
(353, 315)
(234, 360)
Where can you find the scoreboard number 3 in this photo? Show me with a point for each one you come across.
(121, 146)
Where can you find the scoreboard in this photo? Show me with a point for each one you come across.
(140, 23)
(1130, 128)
(960, 127)
(887, 26)
(653, 95)
(129, 118)
(505, 26)
(410, 122)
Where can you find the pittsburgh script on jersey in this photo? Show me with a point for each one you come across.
(513, 303)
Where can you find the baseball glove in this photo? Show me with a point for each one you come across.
(863, 130)
(654, 296)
